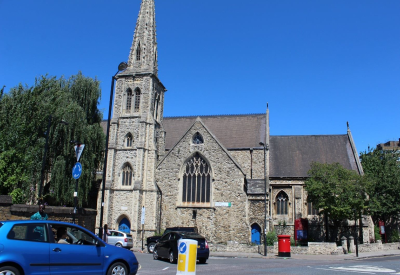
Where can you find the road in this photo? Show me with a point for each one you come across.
(240, 266)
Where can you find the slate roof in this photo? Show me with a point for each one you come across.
(233, 131)
(290, 156)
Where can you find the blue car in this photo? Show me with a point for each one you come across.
(51, 247)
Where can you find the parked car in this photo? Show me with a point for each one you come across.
(51, 247)
(167, 246)
(120, 239)
(151, 241)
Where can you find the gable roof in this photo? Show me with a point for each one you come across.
(233, 131)
(290, 156)
(199, 120)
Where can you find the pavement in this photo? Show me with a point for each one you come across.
(349, 256)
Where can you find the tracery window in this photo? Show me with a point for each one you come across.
(196, 181)
(127, 175)
(137, 100)
(128, 99)
(128, 140)
(282, 203)
(197, 139)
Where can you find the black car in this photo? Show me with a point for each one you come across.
(151, 241)
(167, 246)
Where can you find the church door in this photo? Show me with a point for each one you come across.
(255, 234)
(124, 225)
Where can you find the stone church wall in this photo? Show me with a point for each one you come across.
(217, 224)
(251, 161)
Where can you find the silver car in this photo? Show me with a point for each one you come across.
(120, 239)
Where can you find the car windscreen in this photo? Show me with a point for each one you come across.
(1, 224)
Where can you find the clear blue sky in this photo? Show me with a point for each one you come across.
(318, 63)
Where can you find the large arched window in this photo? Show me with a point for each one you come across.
(137, 100)
(282, 203)
(196, 181)
(127, 175)
(128, 100)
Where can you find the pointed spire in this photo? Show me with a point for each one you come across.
(143, 54)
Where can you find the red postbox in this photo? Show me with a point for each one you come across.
(284, 245)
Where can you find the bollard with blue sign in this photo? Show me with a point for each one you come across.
(187, 257)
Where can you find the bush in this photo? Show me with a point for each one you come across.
(394, 236)
(271, 238)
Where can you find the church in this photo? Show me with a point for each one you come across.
(224, 174)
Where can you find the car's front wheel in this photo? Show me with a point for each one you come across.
(117, 269)
(9, 270)
(155, 254)
(150, 247)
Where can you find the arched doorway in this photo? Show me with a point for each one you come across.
(256, 234)
(124, 225)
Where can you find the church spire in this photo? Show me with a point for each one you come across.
(143, 54)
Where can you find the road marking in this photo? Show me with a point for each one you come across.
(364, 269)
(166, 268)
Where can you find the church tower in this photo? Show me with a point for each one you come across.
(136, 140)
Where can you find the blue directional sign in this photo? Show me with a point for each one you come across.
(182, 248)
(77, 170)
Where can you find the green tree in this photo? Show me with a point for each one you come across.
(382, 168)
(337, 192)
(24, 116)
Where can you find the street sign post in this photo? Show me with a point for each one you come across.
(78, 150)
(77, 170)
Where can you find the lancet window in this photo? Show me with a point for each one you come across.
(127, 175)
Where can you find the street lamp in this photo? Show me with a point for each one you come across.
(122, 66)
(46, 148)
(265, 197)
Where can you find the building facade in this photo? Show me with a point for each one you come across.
(211, 171)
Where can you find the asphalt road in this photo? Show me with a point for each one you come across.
(240, 266)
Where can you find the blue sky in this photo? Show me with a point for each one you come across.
(317, 63)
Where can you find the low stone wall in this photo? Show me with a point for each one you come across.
(313, 248)
(8, 211)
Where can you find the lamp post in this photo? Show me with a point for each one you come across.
(46, 148)
(122, 66)
(265, 147)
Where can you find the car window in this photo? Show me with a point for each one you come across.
(173, 237)
(28, 232)
(165, 237)
(129, 235)
(72, 235)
